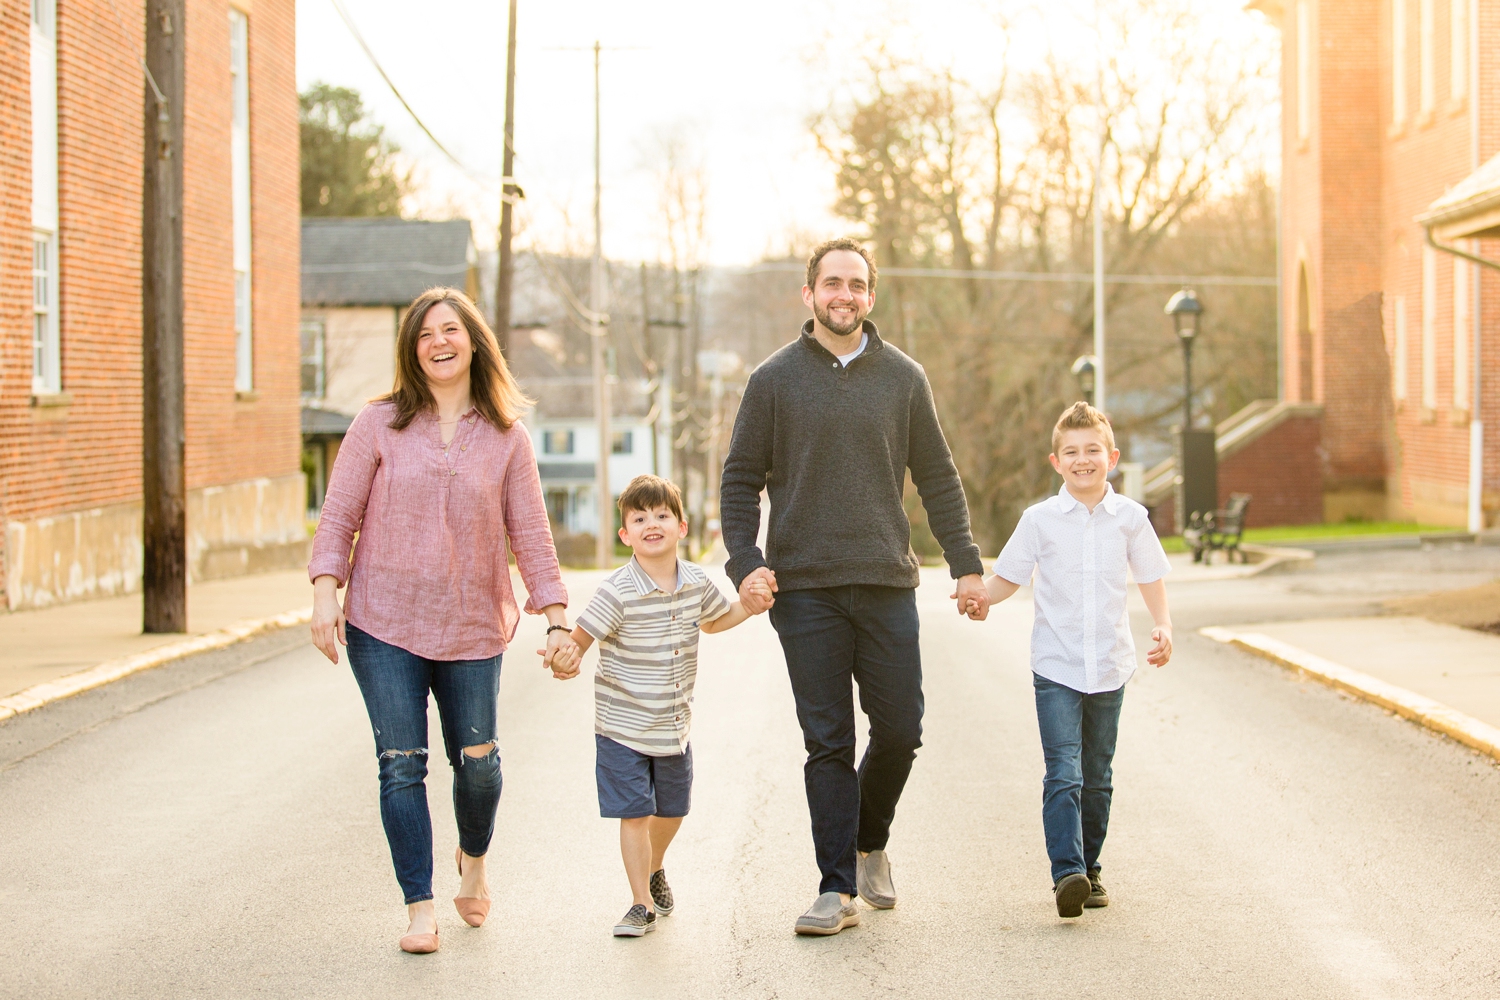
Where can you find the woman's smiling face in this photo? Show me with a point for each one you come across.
(443, 347)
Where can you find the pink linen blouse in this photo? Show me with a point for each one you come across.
(430, 572)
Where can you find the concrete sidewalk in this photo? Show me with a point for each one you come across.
(1441, 676)
(41, 646)
(1459, 667)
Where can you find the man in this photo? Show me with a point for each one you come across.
(830, 424)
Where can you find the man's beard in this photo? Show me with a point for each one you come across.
(843, 330)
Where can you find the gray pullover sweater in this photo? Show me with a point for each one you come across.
(832, 446)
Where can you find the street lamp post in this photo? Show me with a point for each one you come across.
(1085, 370)
(1197, 457)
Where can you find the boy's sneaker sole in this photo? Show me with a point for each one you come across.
(1070, 892)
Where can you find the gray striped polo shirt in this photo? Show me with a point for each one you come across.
(648, 655)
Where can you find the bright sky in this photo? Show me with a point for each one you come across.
(739, 81)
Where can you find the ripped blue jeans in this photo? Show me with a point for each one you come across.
(395, 683)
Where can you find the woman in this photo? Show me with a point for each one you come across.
(434, 478)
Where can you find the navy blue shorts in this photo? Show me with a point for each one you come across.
(633, 784)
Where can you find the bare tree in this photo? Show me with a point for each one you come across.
(941, 172)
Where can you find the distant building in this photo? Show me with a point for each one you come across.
(551, 358)
(358, 277)
(72, 132)
(1399, 341)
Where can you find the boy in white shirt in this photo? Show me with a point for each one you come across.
(1081, 544)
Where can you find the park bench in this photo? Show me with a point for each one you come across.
(1218, 530)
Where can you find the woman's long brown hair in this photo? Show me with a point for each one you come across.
(492, 387)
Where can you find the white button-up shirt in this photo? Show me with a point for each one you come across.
(1081, 635)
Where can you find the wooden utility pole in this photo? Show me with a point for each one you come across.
(604, 543)
(163, 479)
(509, 192)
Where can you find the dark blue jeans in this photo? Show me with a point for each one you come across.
(1078, 743)
(395, 683)
(833, 637)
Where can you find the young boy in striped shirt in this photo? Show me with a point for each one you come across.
(646, 618)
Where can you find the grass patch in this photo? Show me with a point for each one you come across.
(1322, 532)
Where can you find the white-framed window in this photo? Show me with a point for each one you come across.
(239, 151)
(1458, 49)
(1398, 323)
(557, 442)
(1462, 331)
(1398, 61)
(1429, 328)
(623, 443)
(1304, 69)
(314, 367)
(1426, 56)
(46, 352)
(46, 360)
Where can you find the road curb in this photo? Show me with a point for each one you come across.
(1418, 708)
(112, 670)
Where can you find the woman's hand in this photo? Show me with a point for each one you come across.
(328, 618)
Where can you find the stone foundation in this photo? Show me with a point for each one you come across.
(244, 527)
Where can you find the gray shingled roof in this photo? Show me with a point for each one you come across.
(381, 262)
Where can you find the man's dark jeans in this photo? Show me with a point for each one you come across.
(834, 636)
(395, 683)
(1078, 743)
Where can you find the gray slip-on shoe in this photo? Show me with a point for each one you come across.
(872, 873)
(1071, 891)
(637, 922)
(828, 915)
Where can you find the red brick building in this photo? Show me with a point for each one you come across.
(1388, 105)
(72, 114)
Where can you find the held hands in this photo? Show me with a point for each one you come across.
(1159, 654)
(972, 597)
(757, 591)
(562, 655)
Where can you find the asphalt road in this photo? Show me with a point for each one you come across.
(211, 830)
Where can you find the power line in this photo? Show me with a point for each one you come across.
(1060, 277)
(354, 30)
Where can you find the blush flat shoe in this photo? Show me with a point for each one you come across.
(471, 908)
(419, 944)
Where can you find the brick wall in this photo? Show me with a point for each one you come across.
(1425, 155)
(86, 453)
(15, 227)
(1281, 468)
(230, 438)
(1350, 368)
(1351, 191)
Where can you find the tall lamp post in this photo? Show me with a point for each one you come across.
(1197, 458)
(1084, 370)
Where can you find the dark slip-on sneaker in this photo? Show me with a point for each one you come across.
(637, 922)
(1070, 892)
